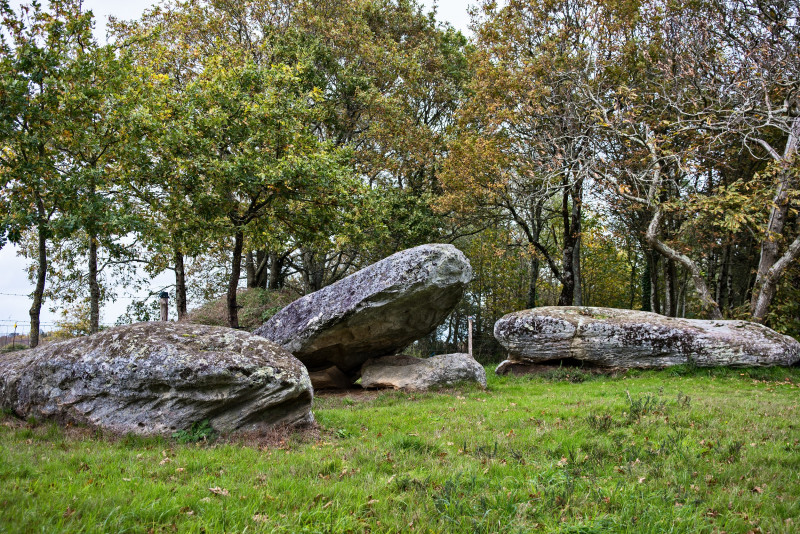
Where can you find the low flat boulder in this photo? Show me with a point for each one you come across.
(156, 378)
(330, 378)
(611, 337)
(419, 374)
(377, 311)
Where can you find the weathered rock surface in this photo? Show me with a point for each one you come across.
(330, 378)
(419, 374)
(375, 312)
(627, 338)
(155, 378)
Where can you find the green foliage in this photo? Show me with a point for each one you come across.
(199, 431)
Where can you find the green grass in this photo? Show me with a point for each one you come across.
(680, 450)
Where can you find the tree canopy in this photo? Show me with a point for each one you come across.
(628, 154)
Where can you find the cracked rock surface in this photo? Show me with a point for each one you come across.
(611, 337)
(156, 378)
(374, 312)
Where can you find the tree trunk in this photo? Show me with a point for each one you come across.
(38, 292)
(771, 265)
(275, 278)
(647, 280)
(180, 284)
(710, 306)
(534, 278)
(250, 269)
(655, 295)
(233, 283)
(632, 281)
(567, 296)
(577, 299)
(670, 290)
(764, 290)
(769, 282)
(94, 287)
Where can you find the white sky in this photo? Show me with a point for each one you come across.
(14, 284)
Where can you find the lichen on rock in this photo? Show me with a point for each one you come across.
(374, 312)
(611, 337)
(419, 374)
(156, 378)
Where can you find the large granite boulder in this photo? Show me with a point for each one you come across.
(610, 337)
(375, 312)
(419, 374)
(156, 378)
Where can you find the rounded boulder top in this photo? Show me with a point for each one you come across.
(159, 377)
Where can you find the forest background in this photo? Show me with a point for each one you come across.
(633, 154)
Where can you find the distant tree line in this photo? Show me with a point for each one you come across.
(628, 154)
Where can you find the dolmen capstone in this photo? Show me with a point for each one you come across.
(377, 311)
(420, 374)
(609, 337)
(156, 378)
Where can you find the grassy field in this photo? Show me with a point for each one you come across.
(679, 450)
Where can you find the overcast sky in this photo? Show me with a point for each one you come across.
(14, 284)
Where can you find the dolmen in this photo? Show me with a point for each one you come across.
(375, 312)
(157, 378)
(609, 337)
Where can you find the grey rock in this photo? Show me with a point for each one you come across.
(419, 374)
(626, 338)
(155, 378)
(509, 367)
(330, 378)
(374, 312)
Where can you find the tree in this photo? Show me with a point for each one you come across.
(527, 129)
(698, 81)
(35, 49)
(247, 145)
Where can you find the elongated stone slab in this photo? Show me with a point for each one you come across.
(626, 338)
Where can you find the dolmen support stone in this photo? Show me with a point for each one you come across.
(374, 312)
(156, 378)
(610, 337)
(419, 374)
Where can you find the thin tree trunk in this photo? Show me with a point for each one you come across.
(722, 283)
(577, 299)
(250, 269)
(670, 290)
(534, 278)
(233, 283)
(655, 296)
(94, 287)
(647, 281)
(275, 279)
(38, 292)
(632, 281)
(567, 254)
(180, 284)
